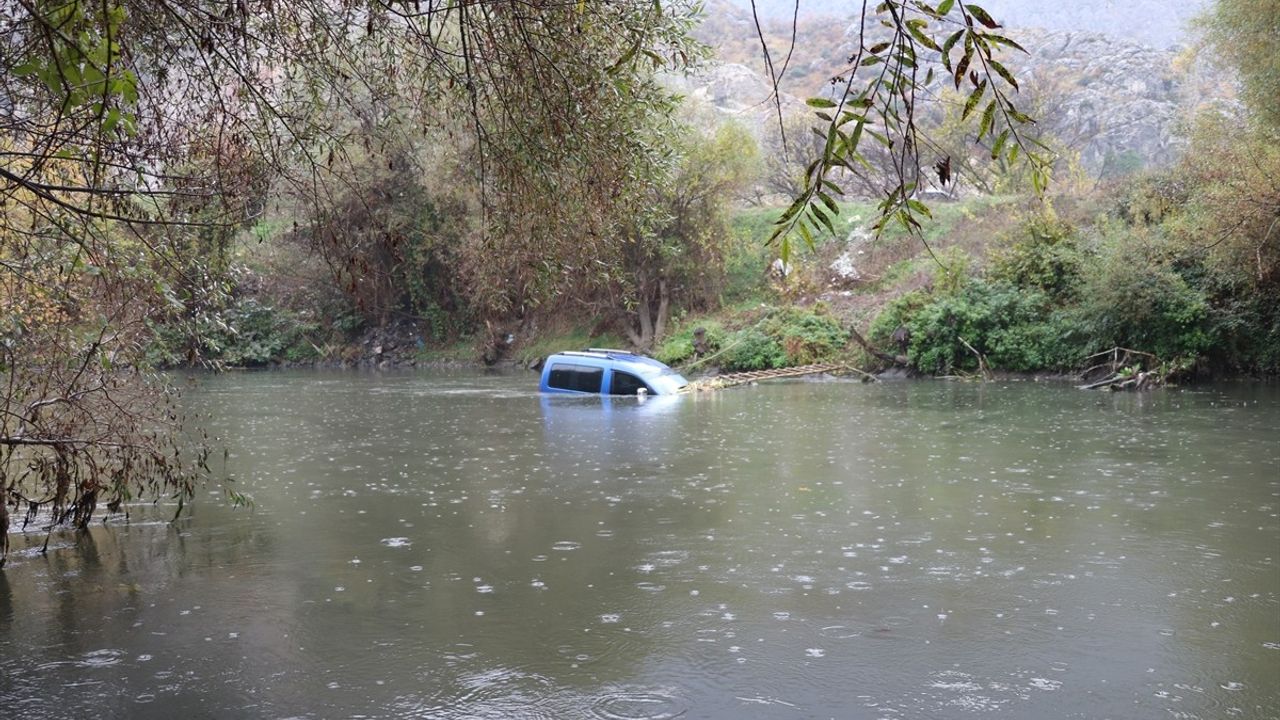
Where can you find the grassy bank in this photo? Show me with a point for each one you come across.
(992, 284)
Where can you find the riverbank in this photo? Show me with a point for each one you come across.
(990, 285)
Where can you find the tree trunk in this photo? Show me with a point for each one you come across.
(664, 309)
(902, 360)
(651, 325)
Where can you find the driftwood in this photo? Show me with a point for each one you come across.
(982, 359)
(741, 378)
(1136, 381)
(1122, 369)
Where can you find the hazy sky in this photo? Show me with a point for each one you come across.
(1153, 22)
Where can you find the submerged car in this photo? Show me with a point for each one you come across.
(602, 371)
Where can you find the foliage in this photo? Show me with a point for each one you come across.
(1244, 34)
(751, 349)
(678, 348)
(391, 232)
(1133, 298)
(1012, 327)
(556, 339)
(246, 334)
(950, 271)
(777, 337)
(676, 254)
(1202, 242)
(882, 104)
(1044, 255)
(141, 137)
(806, 336)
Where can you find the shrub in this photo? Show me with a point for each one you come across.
(248, 333)
(896, 313)
(678, 347)
(1135, 300)
(951, 271)
(1014, 329)
(751, 349)
(1044, 256)
(806, 336)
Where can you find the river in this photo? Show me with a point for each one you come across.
(453, 545)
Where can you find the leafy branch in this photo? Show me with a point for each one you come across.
(901, 48)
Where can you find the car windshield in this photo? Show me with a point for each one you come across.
(667, 381)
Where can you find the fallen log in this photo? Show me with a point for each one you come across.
(1119, 381)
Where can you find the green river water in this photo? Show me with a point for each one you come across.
(454, 545)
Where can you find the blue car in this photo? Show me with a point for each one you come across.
(601, 371)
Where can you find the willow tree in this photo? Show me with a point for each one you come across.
(902, 53)
(140, 135)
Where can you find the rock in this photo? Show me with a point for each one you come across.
(844, 268)
(1117, 103)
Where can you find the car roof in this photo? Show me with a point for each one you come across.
(622, 358)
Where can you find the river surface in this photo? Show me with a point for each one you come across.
(453, 545)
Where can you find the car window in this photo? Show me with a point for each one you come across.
(582, 378)
(625, 383)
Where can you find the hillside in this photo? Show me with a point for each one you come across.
(1115, 102)
(1157, 23)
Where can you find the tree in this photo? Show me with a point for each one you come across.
(898, 51)
(141, 135)
(679, 254)
(1246, 34)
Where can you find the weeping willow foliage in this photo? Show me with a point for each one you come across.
(141, 135)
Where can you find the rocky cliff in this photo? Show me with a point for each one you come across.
(1116, 103)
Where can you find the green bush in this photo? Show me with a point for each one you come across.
(1014, 329)
(1134, 299)
(1045, 256)
(677, 348)
(951, 271)
(895, 314)
(806, 336)
(248, 333)
(1052, 341)
(751, 349)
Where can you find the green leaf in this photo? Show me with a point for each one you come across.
(999, 146)
(981, 15)
(855, 137)
(945, 6)
(831, 204)
(1020, 117)
(973, 100)
(964, 64)
(819, 102)
(1002, 40)
(816, 211)
(111, 120)
(1003, 72)
(919, 207)
(988, 119)
(946, 48)
(923, 39)
(806, 235)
